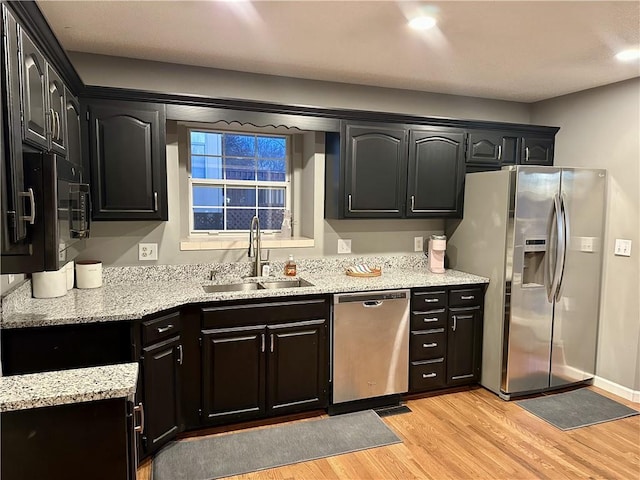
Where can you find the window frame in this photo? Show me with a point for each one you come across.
(224, 183)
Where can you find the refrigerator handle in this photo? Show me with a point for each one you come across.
(562, 253)
(551, 264)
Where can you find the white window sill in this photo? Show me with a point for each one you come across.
(237, 243)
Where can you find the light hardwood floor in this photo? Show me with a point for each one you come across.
(474, 434)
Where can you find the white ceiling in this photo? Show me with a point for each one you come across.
(520, 51)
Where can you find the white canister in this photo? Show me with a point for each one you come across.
(88, 273)
(49, 284)
(71, 274)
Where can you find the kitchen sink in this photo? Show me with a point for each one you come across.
(286, 283)
(249, 286)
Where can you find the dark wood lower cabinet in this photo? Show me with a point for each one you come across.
(464, 345)
(69, 442)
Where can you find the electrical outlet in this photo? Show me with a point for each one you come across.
(623, 247)
(344, 245)
(11, 278)
(417, 244)
(587, 244)
(147, 251)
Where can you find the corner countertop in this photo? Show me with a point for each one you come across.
(148, 292)
(47, 389)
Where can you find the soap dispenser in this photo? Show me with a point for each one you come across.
(290, 269)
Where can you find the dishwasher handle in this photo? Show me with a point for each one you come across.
(372, 303)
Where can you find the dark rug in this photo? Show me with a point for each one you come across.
(236, 453)
(575, 409)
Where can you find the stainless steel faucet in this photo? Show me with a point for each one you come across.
(254, 250)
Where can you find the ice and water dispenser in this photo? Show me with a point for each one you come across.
(533, 266)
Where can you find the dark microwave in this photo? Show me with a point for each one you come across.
(57, 215)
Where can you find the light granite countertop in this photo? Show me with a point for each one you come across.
(133, 292)
(21, 392)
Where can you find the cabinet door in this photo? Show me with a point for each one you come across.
(297, 377)
(537, 151)
(73, 130)
(375, 171)
(35, 105)
(464, 345)
(57, 111)
(161, 364)
(233, 373)
(489, 150)
(436, 174)
(127, 161)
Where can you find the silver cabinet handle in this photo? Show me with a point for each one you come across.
(155, 201)
(181, 357)
(262, 343)
(139, 408)
(32, 203)
(413, 202)
(59, 127)
(349, 203)
(428, 375)
(271, 343)
(467, 297)
(526, 154)
(165, 329)
(499, 152)
(430, 300)
(430, 320)
(455, 323)
(429, 345)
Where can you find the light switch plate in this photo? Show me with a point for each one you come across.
(344, 245)
(417, 244)
(147, 251)
(623, 247)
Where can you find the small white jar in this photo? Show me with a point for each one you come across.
(49, 284)
(88, 273)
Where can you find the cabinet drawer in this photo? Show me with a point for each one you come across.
(426, 375)
(429, 300)
(466, 297)
(428, 320)
(160, 328)
(427, 345)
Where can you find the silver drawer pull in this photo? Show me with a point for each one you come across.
(430, 320)
(429, 345)
(139, 409)
(430, 300)
(165, 329)
(467, 297)
(428, 375)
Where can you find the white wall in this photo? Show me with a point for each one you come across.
(116, 242)
(600, 128)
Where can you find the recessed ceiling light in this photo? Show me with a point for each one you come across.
(628, 55)
(422, 23)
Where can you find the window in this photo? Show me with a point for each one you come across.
(235, 176)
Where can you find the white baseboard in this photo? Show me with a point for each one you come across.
(616, 389)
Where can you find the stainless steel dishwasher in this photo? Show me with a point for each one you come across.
(370, 344)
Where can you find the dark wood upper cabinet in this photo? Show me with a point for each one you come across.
(127, 152)
(57, 111)
(35, 93)
(537, 151)
(74, 129)
(375, 171)
(436, 173)
(492, 148)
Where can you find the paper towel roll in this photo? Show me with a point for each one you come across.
(49, 284)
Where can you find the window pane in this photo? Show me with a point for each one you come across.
(239, 218)
(239, 145)
(208, 219)
(240, 168)
(272, 170)
(206, 143)
(272, 147)
(270, 219)
(208, 196)
(241, 197)
(271, 197)
(206, 167)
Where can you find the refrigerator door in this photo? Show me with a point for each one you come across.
(577, 301)
(529, 320)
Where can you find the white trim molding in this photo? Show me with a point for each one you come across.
(621, 391)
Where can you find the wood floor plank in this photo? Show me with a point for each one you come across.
(474, 434)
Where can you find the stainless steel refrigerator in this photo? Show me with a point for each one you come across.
(537, 233)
